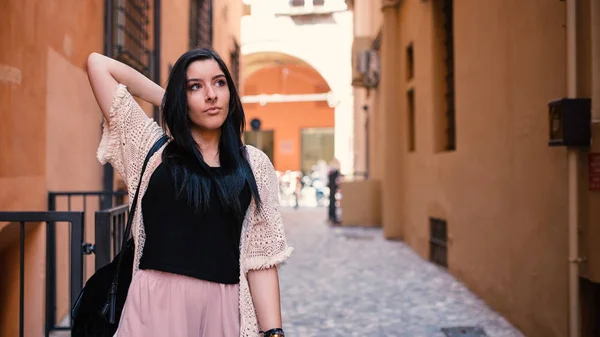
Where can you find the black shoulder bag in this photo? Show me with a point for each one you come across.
(97, 310)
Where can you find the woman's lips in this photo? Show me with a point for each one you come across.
(212, 111)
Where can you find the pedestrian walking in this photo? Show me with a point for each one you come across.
(333, 184)
(208, 232)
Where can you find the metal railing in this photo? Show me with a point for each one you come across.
(81, 202)
(109, 227)
(105, 199)
(76, 219)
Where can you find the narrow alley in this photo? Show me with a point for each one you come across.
(460, 132)
(352, 282)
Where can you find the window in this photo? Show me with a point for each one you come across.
(264, 140)
(447, 10)
(235, 64)
(130, 40)
(438, 242)
(297, 3)
(410, 62)
(444, 106)
(410, 100)
(201, 27)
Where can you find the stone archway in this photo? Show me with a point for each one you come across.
(322, 41)
(258, 61)
(297, 119)
(259, 54)
(290, 53)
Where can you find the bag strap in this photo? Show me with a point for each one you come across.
(159, 143)
(110, 305)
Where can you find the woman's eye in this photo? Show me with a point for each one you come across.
(221, 83)
(195, 86)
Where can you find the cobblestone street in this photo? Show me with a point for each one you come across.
(352, 282)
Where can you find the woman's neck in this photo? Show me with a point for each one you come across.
(208, 144)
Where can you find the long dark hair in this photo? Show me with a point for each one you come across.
(195, 185)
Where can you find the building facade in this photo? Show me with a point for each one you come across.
(308, 42)
(51, 123)
(294, 134)
(451, 122)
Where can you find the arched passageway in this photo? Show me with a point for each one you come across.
(290, 99)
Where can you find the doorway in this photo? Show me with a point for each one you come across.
(317, 144)
(262, 140)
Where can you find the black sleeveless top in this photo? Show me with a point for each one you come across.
(181, 241)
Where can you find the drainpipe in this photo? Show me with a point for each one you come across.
(574, 329)
(108, 172)
(157, 49)
(366, 110)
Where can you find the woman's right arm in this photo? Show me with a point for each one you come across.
(127, 132)
(105, 73)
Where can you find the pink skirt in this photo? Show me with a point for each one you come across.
(165, 304)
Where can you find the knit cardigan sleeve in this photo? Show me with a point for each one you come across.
(266, 240)
(127, 137)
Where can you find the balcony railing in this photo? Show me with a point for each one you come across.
(109, 227)
(308, 7)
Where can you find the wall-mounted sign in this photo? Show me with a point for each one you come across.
(594, 171)
(286, 147)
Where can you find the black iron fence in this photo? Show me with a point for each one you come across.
(85, 202)
(76, 220)
(105, 199)
(110, 227)
(67, 215)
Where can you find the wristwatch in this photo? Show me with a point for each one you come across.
(277, 332)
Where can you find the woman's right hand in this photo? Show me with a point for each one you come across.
(105, 73)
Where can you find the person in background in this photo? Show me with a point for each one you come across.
(333, 184)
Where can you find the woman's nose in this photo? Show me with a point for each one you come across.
(211, 94)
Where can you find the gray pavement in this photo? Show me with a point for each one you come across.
(352, 282)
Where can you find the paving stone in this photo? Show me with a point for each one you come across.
(352, 282)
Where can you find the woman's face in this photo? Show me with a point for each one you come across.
(207, 95)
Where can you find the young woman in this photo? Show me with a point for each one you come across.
(207, 230)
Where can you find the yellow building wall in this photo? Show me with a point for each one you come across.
(503, 191)
(500, 191)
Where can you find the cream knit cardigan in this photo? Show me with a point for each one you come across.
(125, 143)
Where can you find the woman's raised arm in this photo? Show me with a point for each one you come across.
(105, 73)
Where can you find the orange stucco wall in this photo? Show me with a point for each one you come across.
(50, 129)
(288, 119)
